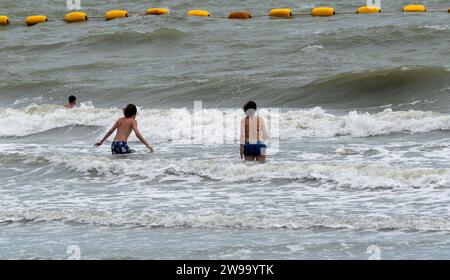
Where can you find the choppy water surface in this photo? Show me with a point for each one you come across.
(361, 104)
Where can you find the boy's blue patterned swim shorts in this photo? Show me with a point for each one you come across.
(120, 147)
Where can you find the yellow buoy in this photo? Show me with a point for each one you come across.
(157, 11)
(281, 13)
(198, 13)
(4, 20)
(113, 14)
(323, 12)
(368, 10)
(414, 9)
(33, 20)
(240, 15)
(76, 17)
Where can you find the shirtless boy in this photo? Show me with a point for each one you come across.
(125, 126)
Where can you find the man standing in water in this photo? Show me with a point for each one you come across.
(72, 102)
(253, 134)
(125, 126)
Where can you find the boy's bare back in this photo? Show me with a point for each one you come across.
(124, 128)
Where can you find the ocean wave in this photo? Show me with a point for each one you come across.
(176, 124)
(381, 35)
(317, 123)
(116, 39)
(39, 118)
(347, 90)
(342, 175)
(369, 88)
(20, 158)
(35, 48)
(437, 27)
(130, 38)
(218, 220)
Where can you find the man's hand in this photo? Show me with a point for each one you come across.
(241, 150)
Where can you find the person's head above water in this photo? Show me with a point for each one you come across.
(130, 111)
(250, 108)
(72, 100)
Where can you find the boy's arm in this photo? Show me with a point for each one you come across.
(140, 137)
(107, 135)
(264, 130)
(242, 138)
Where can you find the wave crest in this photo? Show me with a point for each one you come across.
(176, 124)
(216, 220)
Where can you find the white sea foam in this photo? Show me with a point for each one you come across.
(178, 124)
(38, 118)
(437, 27)
(317, 123)
(218, 220)
(334, 174)
(312, 48)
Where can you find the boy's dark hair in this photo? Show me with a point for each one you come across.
(130, 111)
(72, 99)
(250, 105)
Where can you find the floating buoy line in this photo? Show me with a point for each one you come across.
(79, 16)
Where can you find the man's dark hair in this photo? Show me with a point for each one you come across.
(250, 105)
(72, 99)
(130, 111)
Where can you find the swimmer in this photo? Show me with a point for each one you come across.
(125, 126)
(253, 134)
(72, 102)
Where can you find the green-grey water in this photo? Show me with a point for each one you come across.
(359, 107)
